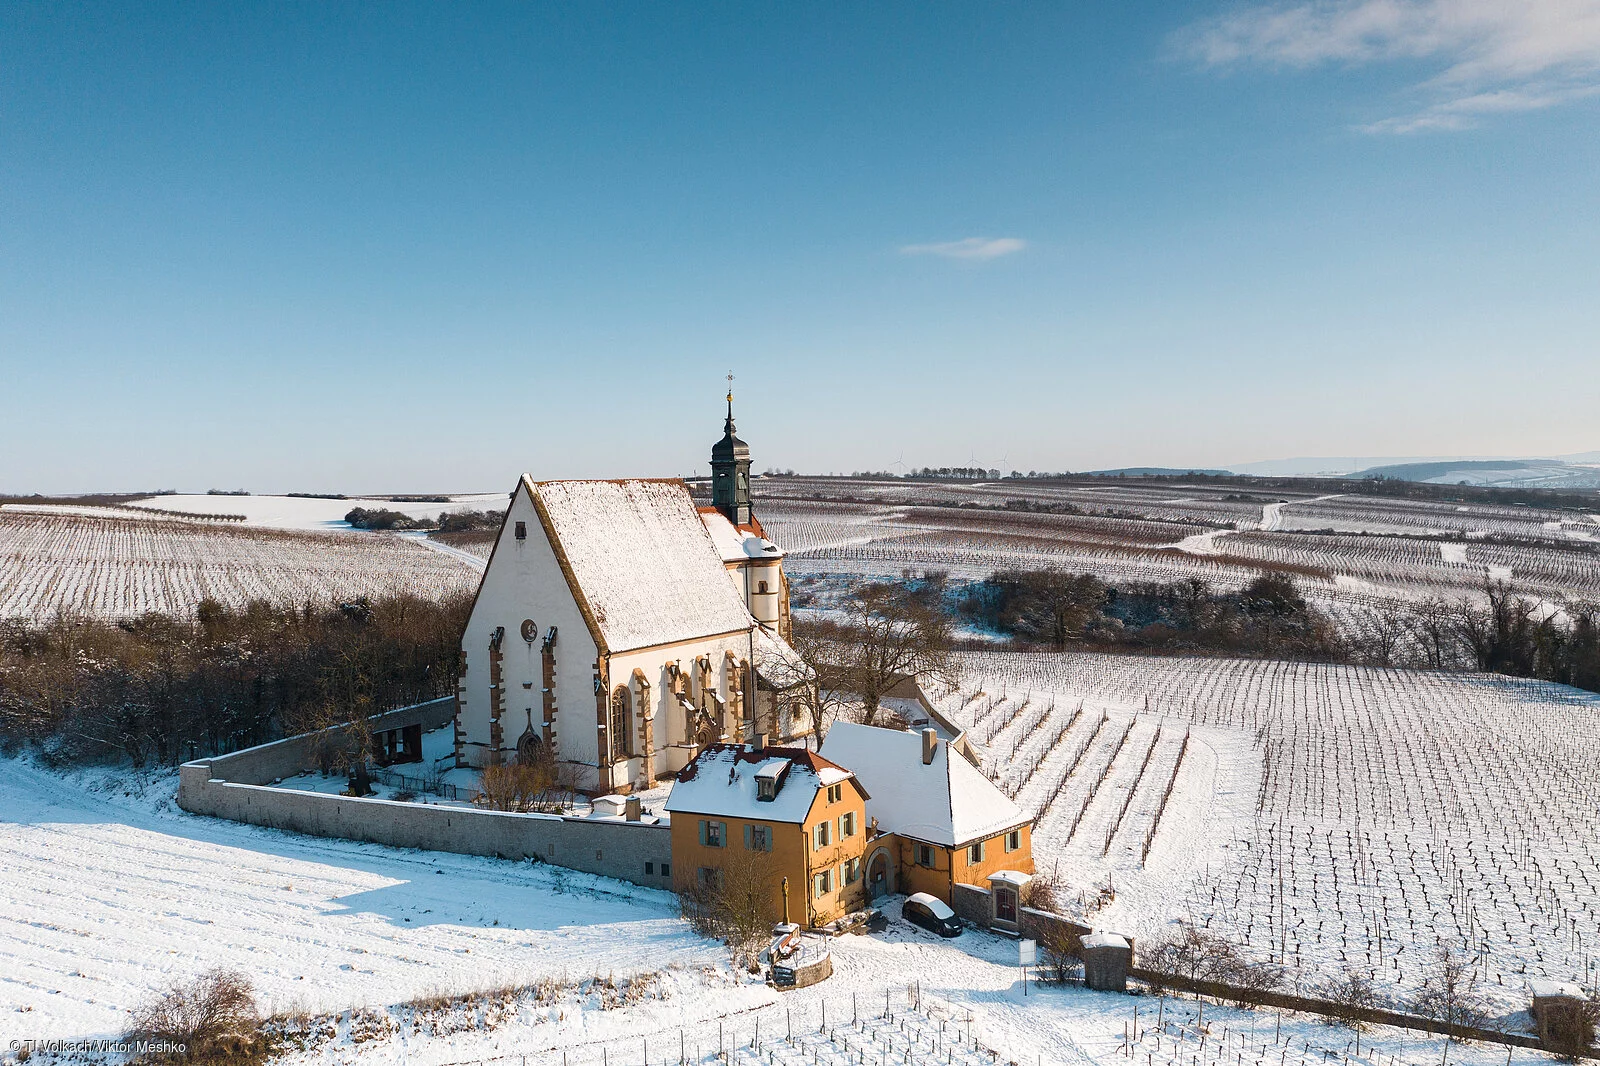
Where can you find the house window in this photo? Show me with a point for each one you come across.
(621, 722)
(847, 825)
(710, 878)
(852, 871)
(820, 836)
(666, 869)
(835, 793)
(822, 883)
(758, 837)
(1014, 840)
(975, 853)
(924, 855)
(522, 531)
(649, 867)
(712, 833)
(766, 788)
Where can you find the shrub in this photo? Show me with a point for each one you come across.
(1450, 994)
(381, 518)
(469, 521)
(1062, 952)
(212, 1018)
(1348, 996)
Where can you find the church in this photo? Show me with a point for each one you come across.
(622, 629)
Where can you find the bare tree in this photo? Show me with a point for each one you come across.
(1384, 630)
(1052, 604)
(734, 903)
(1433, 629)
(886, 635)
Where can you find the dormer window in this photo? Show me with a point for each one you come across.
(769, 777)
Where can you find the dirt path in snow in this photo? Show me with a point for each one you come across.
(428, 542)
(1271, 519)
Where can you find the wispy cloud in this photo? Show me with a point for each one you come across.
(1493, 56)
(969, 248)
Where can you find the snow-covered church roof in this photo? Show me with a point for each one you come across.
(641, 559)
(946, 802)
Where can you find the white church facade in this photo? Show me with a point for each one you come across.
(621, 629)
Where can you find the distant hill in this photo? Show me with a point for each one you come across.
(1154, 471)
(1506, 473)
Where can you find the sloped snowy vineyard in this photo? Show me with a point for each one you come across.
(111, 567)
(1323, 815)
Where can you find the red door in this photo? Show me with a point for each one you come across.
(1005, 904)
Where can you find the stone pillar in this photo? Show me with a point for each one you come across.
(547, 655)
(497, 693)
(461, 708)
(647, 730)
(602, 711)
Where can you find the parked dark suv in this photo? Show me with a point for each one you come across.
(932, 913)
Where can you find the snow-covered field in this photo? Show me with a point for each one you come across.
(1343, 549)
(313, 513)
(120, 563)
(1323, 815)
(110, 892)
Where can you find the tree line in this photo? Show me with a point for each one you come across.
(158, 689)
(1501, 632)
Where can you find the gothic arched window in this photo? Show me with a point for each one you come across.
(621, 723)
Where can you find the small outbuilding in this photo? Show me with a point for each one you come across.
(1107, 958)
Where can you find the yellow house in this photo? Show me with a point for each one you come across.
(949, 824)
(787, 815)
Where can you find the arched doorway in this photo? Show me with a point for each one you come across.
(880, 873)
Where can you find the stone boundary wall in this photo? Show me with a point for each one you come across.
(972, 903)
(269, 762)
(235, 787)
(1309, 1005)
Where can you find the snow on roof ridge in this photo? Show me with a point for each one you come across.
(889, 763)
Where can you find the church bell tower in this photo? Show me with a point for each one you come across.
(730, 471)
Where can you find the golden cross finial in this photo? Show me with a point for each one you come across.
(730, 386)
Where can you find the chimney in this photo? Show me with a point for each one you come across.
(761, 742)
(930, 744)
(631, 809)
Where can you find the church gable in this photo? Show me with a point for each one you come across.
(642, 561)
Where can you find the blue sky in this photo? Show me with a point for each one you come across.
(390, 247)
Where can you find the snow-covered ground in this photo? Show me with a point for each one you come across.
(111, 891)
(302, 512)
(125, 562)
(1322, 815)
